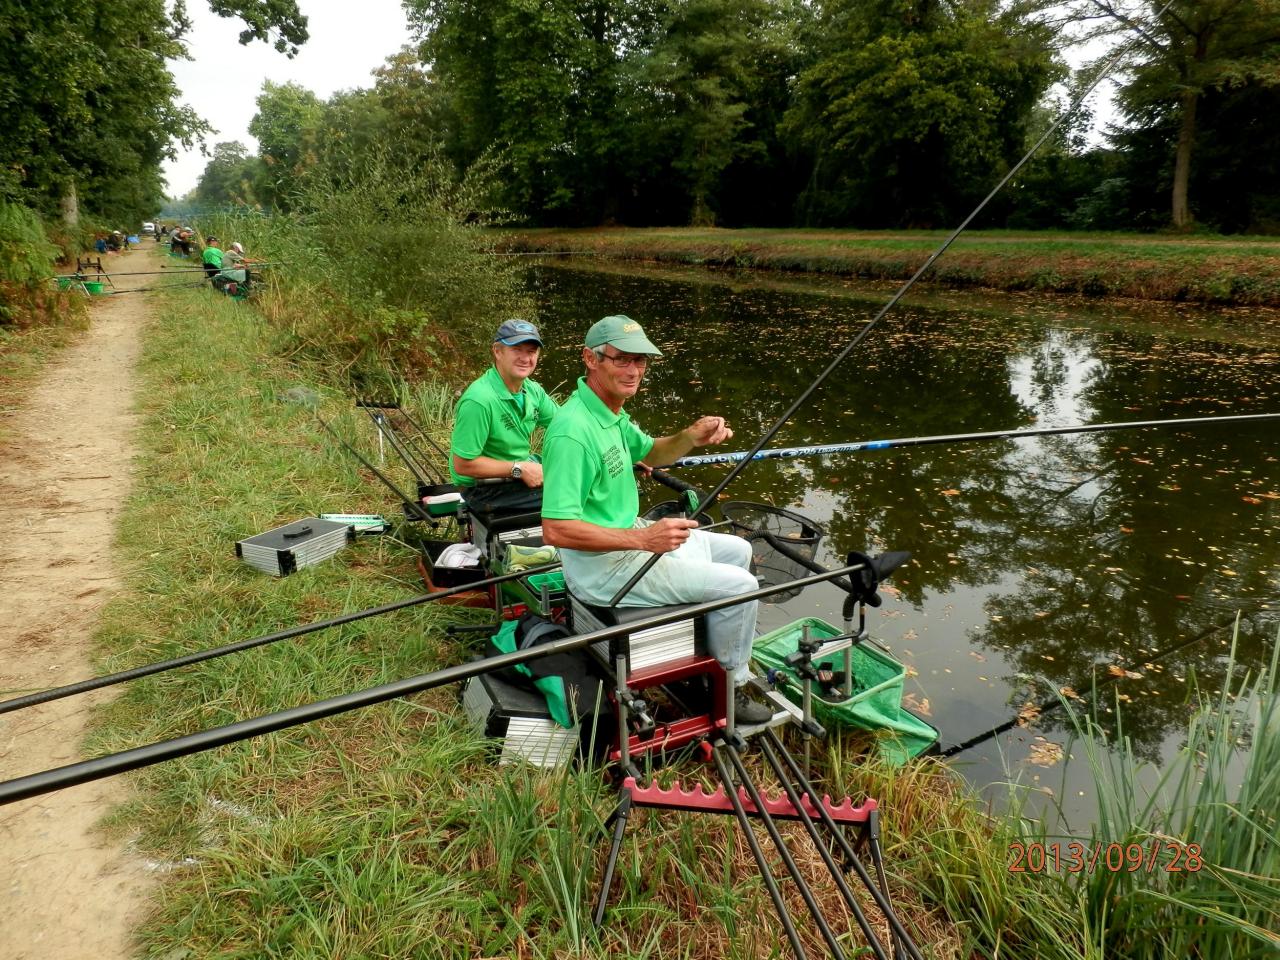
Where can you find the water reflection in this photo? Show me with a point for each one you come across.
(1058, 557)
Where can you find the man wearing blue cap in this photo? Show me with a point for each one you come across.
(494, 423)
(591, 506)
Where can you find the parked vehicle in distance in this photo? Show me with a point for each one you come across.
(148, 229)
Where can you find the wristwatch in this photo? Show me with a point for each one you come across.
(515, 471)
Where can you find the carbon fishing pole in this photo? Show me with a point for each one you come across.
(414, 505)
(151, 273)
(85, 771)
(822, 450)
(1048, 706)
(135, 673)
(871, 324)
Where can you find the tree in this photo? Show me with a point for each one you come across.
(90, 106)
(287, 117)
(703, 72)
(228, 176)
(913, 108)
(262, 16)
(1179, 53)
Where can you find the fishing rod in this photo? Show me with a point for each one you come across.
(862, 334)
(135, 673)
(152, 273)
(822, 450)
(184, 285)
(1049, 706)
(85, 771)
(415, 506)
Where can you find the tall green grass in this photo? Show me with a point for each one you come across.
(1220, 792)
(382, 264)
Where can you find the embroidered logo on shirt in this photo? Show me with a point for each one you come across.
(508, 421)
(612, 460)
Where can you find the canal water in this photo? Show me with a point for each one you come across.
(1038, 565)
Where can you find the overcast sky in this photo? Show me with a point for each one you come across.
(348, 41)
(222, 80)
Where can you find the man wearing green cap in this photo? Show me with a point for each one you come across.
(494, 422)
(591, 506)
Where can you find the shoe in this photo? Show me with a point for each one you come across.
(748, 711)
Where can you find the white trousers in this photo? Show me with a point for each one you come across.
(707, 566)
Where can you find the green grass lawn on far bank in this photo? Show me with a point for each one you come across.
(1204, 269)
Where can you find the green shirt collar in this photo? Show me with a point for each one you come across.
(596, 407)
(499, 385)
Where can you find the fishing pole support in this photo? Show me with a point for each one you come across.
(738, 795)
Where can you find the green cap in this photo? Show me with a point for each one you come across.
(623, 334)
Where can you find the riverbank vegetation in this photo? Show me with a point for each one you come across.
(1214, 270)
(389, 831)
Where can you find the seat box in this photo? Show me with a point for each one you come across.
(520, 720)
(644, 648)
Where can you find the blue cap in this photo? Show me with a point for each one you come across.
(517, 331)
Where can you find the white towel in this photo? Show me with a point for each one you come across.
(459, 555)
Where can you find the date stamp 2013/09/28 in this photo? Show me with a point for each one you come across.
(1074, 857)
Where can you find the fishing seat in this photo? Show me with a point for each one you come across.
(672, 654)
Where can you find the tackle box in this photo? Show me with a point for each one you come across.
(447, 577)
(303, 543)
(521, 720)
(540, 592)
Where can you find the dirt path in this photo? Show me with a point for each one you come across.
(63, 478)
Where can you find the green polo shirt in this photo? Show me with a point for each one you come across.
(587, 457)
(212, 256)
(491, 421)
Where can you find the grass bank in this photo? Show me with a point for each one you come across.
(1229, 271)
(388, 832)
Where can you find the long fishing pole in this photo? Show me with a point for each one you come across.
(134, 673)
(871, 324)
(108, 765)
(1048, 706)
(150, 273)
(822, 450)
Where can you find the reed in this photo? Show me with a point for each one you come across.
(1221, 793)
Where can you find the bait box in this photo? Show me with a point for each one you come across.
(447, 577)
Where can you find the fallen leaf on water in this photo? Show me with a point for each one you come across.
(917, 704)
(950, 493)
(1045, 754)
(1029, 713)
(1251, 499)
(977, 656)
(1126, 529)
(1118, 671)
(1070, 694)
